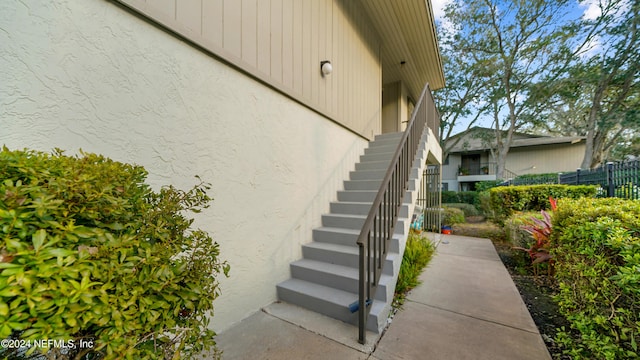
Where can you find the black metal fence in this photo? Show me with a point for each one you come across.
(620, 179)
(534, 179)
(430, 200)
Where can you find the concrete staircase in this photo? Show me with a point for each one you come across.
(325, 280)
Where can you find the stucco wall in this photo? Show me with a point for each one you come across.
(450, 172)
(87, 74)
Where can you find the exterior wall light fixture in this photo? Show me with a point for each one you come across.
(325, 67)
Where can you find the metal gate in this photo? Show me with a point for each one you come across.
(429, 198)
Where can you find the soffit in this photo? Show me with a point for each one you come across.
(407, 31)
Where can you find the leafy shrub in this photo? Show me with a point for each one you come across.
(596, 243)
(483, 186)
(452, 216)
(417, 254)
(484, 205)
(91, 253)
(469, 197)
(486, 229)
(467, 209)
(453, 197)
(506, 200)
(540, 229)
(450, 197)
(514, 231)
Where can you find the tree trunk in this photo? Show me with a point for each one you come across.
(598, 149)
(501, 161)
(592, 123)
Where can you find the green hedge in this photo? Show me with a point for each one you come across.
(90, 253)
(484, 205)
(486, 185)
(513, 228)
(596, 244)
(467, 197)
(452, 216)
(506, 200)
(468, 209)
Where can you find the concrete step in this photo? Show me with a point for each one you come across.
(389, 136)
(377, 174)
(383, 148)
(358, 208)
(348, 237)
(331, 302)
(373, 165)
(362, 185)
(357, 195)
(381, 153)
(352, 222)
(378, 316)
(369, 185)
(367, 174)
(376, 157)
(325, 300)
(374, 185)
(345, 255)
(337, 276)
(390, 143)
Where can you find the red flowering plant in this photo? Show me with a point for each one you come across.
(540, 229)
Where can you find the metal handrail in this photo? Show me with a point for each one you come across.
(485, 168)
(380, 223)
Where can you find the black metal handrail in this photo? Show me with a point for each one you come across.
(380, 223)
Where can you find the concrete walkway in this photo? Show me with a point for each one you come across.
(467, 307)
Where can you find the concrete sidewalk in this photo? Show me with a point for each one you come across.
(467, 307)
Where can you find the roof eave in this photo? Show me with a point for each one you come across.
(410, 51)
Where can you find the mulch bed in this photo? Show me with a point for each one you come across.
(537, 293)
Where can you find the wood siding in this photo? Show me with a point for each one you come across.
(281, 42)
(545, 159)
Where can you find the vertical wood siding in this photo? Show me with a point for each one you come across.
(282, 42)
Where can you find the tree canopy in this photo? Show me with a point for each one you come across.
(540, 66)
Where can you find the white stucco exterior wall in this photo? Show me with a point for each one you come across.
(89, 75)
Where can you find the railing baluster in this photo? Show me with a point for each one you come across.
(387, 227)
(380, 240)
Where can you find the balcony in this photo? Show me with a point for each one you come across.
(477, 172)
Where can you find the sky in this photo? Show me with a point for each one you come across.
(587, 9)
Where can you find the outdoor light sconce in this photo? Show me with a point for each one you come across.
(325, 67)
